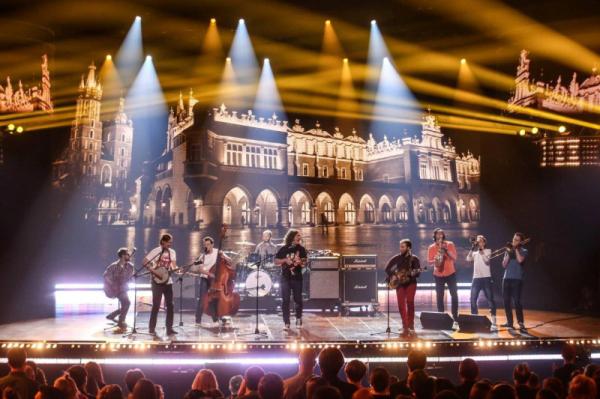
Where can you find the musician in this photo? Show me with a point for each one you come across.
(207, 260)
(405, 262)
(167, 258)
(266, 249)
(482, 276)
(512, 283)
(441, 255)
(292, 258)
(118, 275)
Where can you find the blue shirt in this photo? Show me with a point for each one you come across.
(514, 269)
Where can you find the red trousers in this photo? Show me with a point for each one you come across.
(406, 304)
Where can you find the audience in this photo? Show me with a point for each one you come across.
(17, 379)
(82, 382)
(234, 386)
(355, 371)
(564, 372)
(468, 370)
(307, 361)
(131, 378)
(270, 386)
(331, 361)
(249, 388)
(95, 378)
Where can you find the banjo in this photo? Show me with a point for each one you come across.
(160, 274)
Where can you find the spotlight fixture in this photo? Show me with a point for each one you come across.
(20, 129)
(213, 21)
(137, 18)
(345, 60)
(328, 22)
(562, 129)
(535, 130)
(11, 127)
(385, 59)
(241, 21)
(522, 132)
(266, 60)
(373, 22)
(108, 57)
(463, 61)
(148, 57)
(228, 59)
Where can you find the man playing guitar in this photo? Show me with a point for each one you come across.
(205, 262)
(442, 255)
(167, 259)
(116, 279)
(402, 270)
(292, 259)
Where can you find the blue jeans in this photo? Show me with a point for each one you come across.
(511, 291)
(440, 286)
(482, 284)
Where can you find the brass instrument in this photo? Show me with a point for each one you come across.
(507, 249)
(439, 258)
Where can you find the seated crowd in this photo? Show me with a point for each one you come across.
(27, 381)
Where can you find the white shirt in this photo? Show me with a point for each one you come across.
(164, 259)
(481, 263)
(208, 261)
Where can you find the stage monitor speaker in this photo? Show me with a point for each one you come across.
(436, 321)
(324, 284)
(474, 323)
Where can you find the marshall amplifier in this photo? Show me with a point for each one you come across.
(324, 262)
(359, 280)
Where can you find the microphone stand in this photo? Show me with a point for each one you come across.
(258, 264)
(184, 270)
(388, 330)
(136, 274)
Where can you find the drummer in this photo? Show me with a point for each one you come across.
(266, 250)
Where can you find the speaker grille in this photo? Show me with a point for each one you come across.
(324, 284)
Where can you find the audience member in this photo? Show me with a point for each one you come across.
(307, 361)
(160, 393)
(521, 375)
(270, 386)
(546, 394)
(534, 382)
(40, 376)
(502, 391)
(443, 384)
(480, 390)
(132, 376)
(417, 360)
(234, 386)
(249, 388)
(48, 392)
(312, 384)
(355, 371)
(111, 391)
(555, 385)
(16, 378)
(67, 386)
(363, 393)
(144, 389)
(422, 385)
(564, 372)
(331, 361)
(380, 383)
(79, 375)
(205, 380)
(582, 387)
(327, 392)
(447, 394)
(10, 393)
(95, 378)
(468, 370)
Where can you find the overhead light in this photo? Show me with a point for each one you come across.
(109, 57)
(562, 129)
(213, 21)
(11, 127)
(345, 60)
(328, 22)
(149, 57)
(535, 130)
(373, 22)
(241, 21)
(522, 132)
(463, 61)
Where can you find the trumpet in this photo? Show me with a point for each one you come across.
(508, 248)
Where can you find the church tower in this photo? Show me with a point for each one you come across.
(118, 140)
(86, 131)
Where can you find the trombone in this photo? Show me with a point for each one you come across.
(507, 248)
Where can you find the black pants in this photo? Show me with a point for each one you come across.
(482, 284)
(291, 286)
(440, 286)
(158, 291)
(511, 291)
(123, 307)
(203, 289)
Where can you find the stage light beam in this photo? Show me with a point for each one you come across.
(244, 63)
(268, 101)
(130, 55)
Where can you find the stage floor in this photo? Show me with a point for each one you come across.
(318, 327)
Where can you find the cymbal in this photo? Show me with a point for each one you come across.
(245, 243)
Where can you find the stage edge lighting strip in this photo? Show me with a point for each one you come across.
(285, 360)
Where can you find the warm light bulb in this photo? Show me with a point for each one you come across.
(11, 126)
(19, 129)
(228, 59)
(463, 61)
(522, 132)
(562, 129)
(108, 57)
(328, 22)
(345, 60)
(534, 130)
(213, 21)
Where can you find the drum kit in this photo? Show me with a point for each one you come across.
(251, 272)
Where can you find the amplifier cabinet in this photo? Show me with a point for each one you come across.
(359, 286)
(359, 261)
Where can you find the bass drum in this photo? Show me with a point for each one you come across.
(265, 284)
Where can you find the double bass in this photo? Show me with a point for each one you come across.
(221, 299)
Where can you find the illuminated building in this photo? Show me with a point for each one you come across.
(237, 168)
(565, 148)
(97, 162)
(27, 100)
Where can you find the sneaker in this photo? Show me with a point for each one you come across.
(299, 322)
(286, 327)
(171, 332)
(506, 325)
(494, 320)
(522, 326)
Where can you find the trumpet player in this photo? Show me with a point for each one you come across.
(482, 276)
(441, 255)
(512, 283)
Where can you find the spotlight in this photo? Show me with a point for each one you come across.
(137, 18)
(11, 127)
(463, 61)
(522, 132)
(385, 59)
(109, 57)
(213, 21)
(228, 59)
(373, 22)
(20, 129)
(562, 129)
(345, 60)
(241, 21)
(266, 60)
(148, 58)
(328, 22)
(534, 130)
